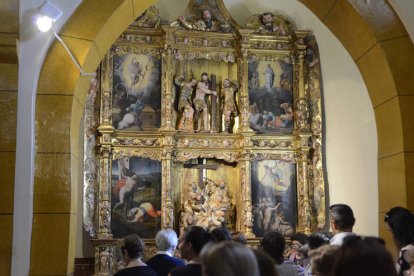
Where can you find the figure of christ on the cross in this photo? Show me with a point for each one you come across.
(202, 168)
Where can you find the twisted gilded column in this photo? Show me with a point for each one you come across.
(167, 84)
(167, 207)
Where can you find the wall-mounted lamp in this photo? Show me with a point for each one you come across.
(49, 13)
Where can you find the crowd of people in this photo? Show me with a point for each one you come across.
(219, 252)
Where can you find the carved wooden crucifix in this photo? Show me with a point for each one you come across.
(202, 167)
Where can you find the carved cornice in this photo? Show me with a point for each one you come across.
(135, 141)
(122, 152)
(183, 156)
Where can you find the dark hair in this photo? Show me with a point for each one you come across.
(300, 237)
(323, 259)
(220, 234)
(401, 222)
(273, 243)
(239, 237)
(198, 237)
(316, 240)
(133, 245)
(342, 215)
(360, 256)
(266, 263)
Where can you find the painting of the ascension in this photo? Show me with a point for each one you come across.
(271, 96)
(136, 96)
(136, 197)
(274, 197)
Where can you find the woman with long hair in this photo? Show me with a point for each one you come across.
(401, 224)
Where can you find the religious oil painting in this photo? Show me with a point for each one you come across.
(271, 96)
(136, 197)
(273, 197)
(136, 97)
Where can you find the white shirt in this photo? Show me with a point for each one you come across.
(338, 239)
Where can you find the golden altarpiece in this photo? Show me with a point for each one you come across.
(204, 122)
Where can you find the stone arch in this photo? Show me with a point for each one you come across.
(371, 32)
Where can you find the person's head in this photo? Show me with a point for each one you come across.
(228, 258)
(166, 240)
(204, 76)
(341, 218)
(266, 264)
(193, 241)
(206, 14)
(273, 243)
(221, 234)
(239, 237)
(226, 83)
(401, 223)
(360, 256)
(193, 81)
(267, 18)
(323, 259)
(132, 247)
(317, 239)
(298, 239)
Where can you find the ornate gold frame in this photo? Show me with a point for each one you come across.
(174, 45)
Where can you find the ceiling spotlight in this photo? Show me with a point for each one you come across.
(48, 13)
(44, 23)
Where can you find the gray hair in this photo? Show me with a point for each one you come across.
(166, 240)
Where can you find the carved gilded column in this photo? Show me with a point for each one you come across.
(167, 207)
(243, 68)
(105, 131)
(104, 245)
(167, 83)
(301, 101)
(305, 211)
(245, 187)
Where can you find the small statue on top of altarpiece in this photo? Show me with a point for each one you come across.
(229, 107)
(205, 23)
(268, 23)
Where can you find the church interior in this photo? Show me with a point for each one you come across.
(72, 143)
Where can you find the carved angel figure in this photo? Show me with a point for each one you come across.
(150, 18)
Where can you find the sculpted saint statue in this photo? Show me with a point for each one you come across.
(205, 23)
(272, 25)
(200, 102)
(185, 105)
(229, 105)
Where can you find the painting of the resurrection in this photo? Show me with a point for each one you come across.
(270, 96)
(273, 197)
(136, 197)
(136, 100)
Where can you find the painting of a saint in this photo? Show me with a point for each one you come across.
(136, 96)
(271, 96)
(136, 197)
(273, 197)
